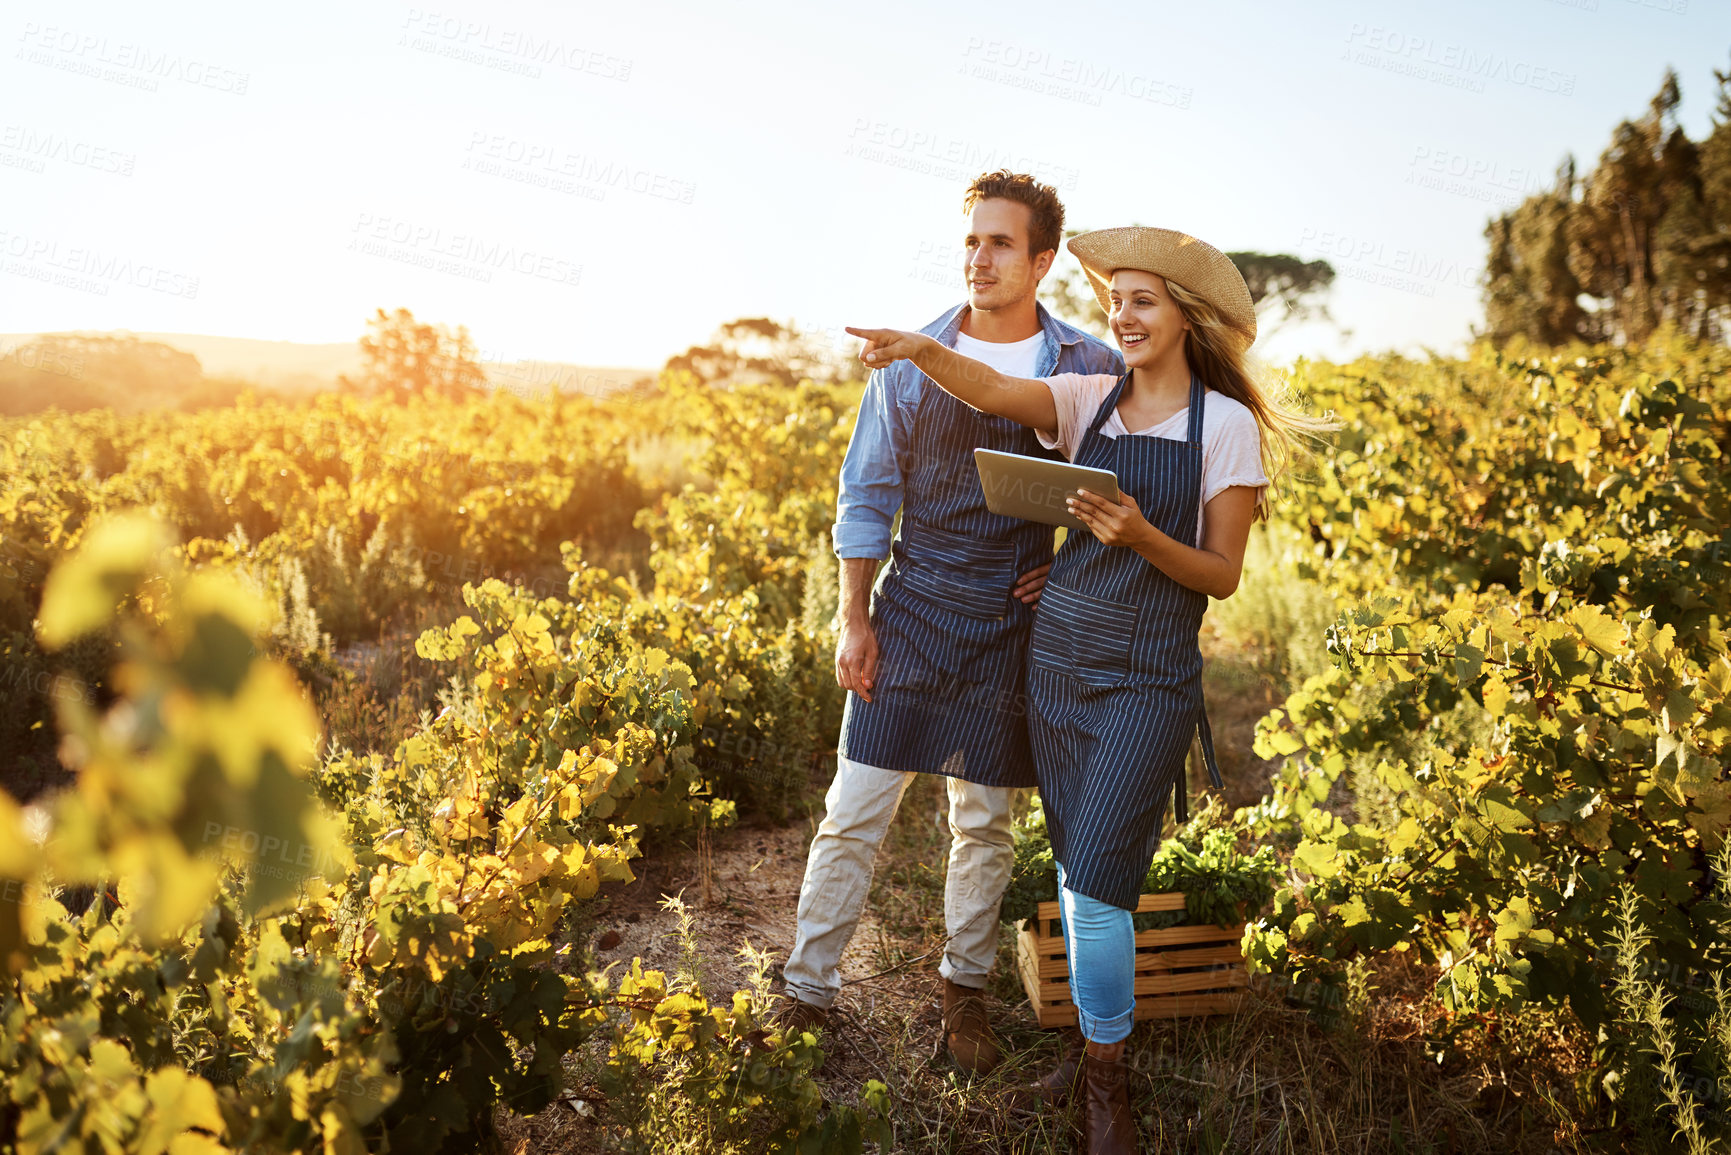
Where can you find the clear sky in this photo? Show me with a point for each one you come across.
(605, 183)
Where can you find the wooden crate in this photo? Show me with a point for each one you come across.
(1180, 971)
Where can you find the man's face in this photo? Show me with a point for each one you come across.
(999, 269)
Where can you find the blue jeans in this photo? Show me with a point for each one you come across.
(1101, 943)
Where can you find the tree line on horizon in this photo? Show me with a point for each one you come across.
(78, 371)
(1641, 240)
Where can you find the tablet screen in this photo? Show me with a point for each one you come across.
(1036, 488)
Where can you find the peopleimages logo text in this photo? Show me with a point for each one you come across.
(1083, 75)
(98, 50)
(584, 168)
(42, 257)
(1476, 63)
(476, 251)
(55, 146)
(517, 43)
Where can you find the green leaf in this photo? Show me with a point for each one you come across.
(292, 843)
(1599, 630)
(178, 1102)
(1283, 742)
(1502, 810)
(1468, 661)
(109, 564)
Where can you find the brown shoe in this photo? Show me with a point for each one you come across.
(967, 1033)
(1106, 1120)
(797, 1015)
(1055, 1087)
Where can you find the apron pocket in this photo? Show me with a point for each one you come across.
(969, 575)
(927, 646)
(1087, 638)
(965, 594)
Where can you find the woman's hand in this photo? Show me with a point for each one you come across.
(1114, 523)
(882, 346)
(1024, 400)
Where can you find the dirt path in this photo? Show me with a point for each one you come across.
(755, 876)
(885, 1024)
(755, 872)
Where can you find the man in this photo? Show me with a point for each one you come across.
(933, 664)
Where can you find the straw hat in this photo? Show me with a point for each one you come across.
(1196, 265)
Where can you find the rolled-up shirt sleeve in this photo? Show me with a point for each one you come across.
(870, 490)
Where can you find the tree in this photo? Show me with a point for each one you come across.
(1613, 229)
(1642, 240)
(1286, 289)
(1530, 289)
(1706, 248)
(404, 358)
(757, 349)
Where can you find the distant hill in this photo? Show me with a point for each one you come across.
(293, 367)
(283, 366)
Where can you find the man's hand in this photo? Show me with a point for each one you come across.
(856, 657)
(883, 346)
(1029, 585)
(1114, 523)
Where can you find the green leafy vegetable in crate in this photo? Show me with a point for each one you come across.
(1221, 884)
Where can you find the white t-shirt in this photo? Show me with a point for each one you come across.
(1011, 358)
(1231, 440)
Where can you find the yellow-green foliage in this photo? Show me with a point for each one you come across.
(1534, 661)
(357, 954)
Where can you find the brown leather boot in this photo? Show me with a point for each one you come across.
(1055, 1087)
(967, 1033)
(1106, 1120)
(793, 1014)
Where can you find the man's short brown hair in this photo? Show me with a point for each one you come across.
(1046, 228)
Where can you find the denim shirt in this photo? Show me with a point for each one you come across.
(870, 492)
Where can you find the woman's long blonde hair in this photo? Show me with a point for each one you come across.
(1220, 355)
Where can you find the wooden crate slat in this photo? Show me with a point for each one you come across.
(1028, 963)
(1183, 935)
(1046, 944)
(1056, 966)
(1187, 981)
(1171, 900)
(1219, 978)
(1164, 987)
(1063, 1015)
(1204, 956)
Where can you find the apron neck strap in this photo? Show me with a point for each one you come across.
(1197, 392)
(1109, 404)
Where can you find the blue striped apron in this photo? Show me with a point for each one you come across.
(952, 641)
(1115, 673)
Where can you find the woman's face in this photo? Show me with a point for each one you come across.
(1145, 319)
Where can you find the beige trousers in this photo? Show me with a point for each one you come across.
(838, 873)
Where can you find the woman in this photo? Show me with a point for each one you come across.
(1115, 674)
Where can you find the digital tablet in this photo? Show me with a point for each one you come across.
(1035, 488)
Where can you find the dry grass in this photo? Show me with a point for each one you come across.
(1375, 1071)
(668, 462)
(1369, 1074)
(384, 687)
(1381, 1068)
